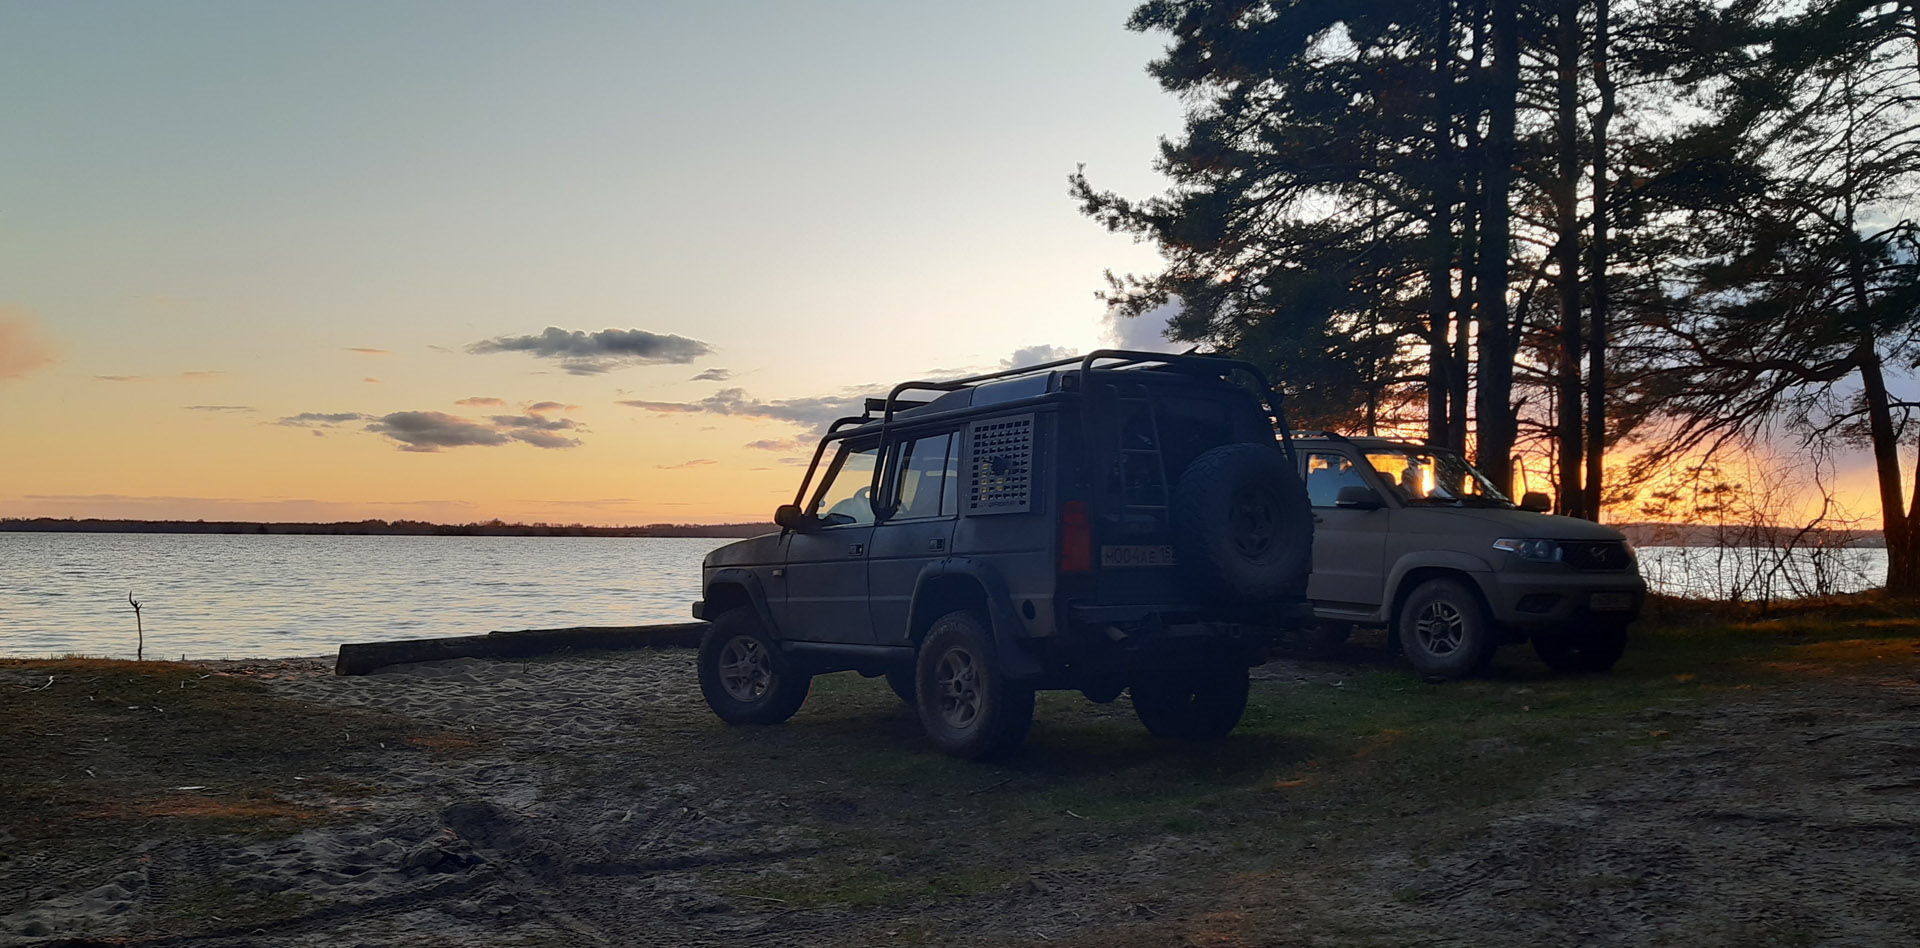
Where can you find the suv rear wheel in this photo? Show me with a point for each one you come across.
(1195, 704)
(1444, 630)
(744, 676)
(968, 708)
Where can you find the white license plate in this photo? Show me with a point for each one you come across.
(1610, 602)
(1124, 556)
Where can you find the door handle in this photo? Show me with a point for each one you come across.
(856, 549)
(778, 572)
(936, 544)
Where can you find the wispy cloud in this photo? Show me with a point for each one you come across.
(541, 408)
(482, 400)
(122, 378)
(809, 413)
(713, 375)
(183, 376)
(322, 419)
(363, 350)
(371, 380)
(201, 376)
(696, 462)
(24, 348)
(584, 353)
(775, 444)
(218, 407)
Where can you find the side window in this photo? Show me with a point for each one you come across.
(929, 473)
(844, 497)
(1326, 474)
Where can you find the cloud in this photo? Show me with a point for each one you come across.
(665, 408)
(696, 462)
(541, 408)
(218, 407)
(713, 375)
(322, 419)
(371, 380)
(811, 414)
(24, 349)
(429, 431)
(479, 400)
(1146, 332)
(183, 376)
(1035, 355)
(426, 432)
(774, 444)
(366, 351)
(582, 353)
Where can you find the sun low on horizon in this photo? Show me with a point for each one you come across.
(594, 263)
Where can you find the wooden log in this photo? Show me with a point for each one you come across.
(363, 657)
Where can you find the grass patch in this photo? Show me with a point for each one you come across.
(91, 747)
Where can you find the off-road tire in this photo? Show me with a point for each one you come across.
(967, 707)
(1445, 632)
(901, 680)
(1595, 648)
(743, 674)
(1243, 531)
(1195, 704)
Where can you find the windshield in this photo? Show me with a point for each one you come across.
(1433, 478)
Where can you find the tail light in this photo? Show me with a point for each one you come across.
(1076, 538)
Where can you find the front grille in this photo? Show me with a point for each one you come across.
(1596, 555)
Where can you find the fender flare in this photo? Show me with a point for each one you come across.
(1015, 661)
(1477, 570)
(756, 595)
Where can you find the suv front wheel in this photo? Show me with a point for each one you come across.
(744, 676)
(968, 708)
(1445, 631)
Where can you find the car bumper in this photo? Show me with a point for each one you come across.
(1532, 602)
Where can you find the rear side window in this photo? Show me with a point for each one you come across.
(928, 478)
(1326, 474)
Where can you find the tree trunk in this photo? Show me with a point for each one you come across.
(1597, 269)
(1572, 499)
(1495, 426)
(1903, 566)
(1443, 415)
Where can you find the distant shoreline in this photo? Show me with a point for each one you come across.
(409, 528)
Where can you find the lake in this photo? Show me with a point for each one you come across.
(252, 596)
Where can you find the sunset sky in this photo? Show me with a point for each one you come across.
(598, 262)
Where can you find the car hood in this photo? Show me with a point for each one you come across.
(749, 552)
(1523, 524)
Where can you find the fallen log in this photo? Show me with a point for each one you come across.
(363, 657)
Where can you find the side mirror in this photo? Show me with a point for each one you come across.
(790, 517)
(1358, 497)
(1535, 501)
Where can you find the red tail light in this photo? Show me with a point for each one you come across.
(1076, 538)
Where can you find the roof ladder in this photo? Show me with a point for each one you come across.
(1147, 461)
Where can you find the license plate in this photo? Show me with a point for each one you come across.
(1610, 602)
(1125, 556)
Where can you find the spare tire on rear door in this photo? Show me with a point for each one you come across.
(1243, 532)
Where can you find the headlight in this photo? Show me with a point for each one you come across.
(1539, 551)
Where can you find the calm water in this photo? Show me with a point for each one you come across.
(272, 596)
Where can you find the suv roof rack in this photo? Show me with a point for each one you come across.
(1117, 359)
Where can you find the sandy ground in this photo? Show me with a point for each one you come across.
(585, 814)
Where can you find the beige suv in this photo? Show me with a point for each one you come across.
(1414, 539)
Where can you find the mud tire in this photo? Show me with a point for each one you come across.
(743, 674)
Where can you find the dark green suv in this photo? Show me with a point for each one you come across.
(1126, 521)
